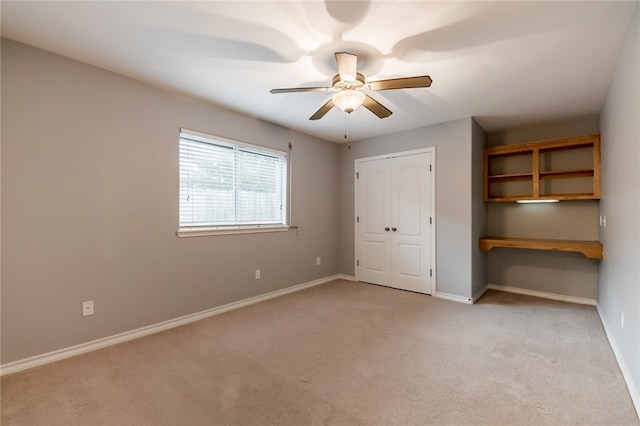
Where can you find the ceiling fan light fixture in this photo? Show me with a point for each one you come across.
(348, 100)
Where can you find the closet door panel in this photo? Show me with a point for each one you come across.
(372, 252)
(410, 219)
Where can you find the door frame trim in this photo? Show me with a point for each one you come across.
(431, 150)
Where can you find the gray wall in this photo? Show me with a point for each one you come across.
(620, 270)
(90, 207)
(479, 210)
(569, 274)
(454, 238)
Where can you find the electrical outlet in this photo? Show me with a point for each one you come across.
(621, 319)
(87, 308)
(603, 221)
(257, 274)
(318, 260)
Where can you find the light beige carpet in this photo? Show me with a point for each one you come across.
(343, 353)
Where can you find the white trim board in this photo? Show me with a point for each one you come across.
(479, 294)
(542, 294)
(60, 354)
(453, 297)
(345, 277)
(517, 290)
(634, 390)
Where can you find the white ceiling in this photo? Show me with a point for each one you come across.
(505, 63)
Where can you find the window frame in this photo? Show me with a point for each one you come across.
(238, 228)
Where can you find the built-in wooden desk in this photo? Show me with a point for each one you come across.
(591, 249)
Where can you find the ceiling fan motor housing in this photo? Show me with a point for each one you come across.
(357, 84)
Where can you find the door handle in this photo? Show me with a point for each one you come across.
(394, 229)
(386, 228)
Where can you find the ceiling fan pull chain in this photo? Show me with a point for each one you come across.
(345, 126)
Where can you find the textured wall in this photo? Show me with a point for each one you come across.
(90, 207)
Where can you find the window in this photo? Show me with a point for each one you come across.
(228, 186)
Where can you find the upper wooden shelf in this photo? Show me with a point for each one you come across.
(512, 176)
(591, 249)
(561, 169)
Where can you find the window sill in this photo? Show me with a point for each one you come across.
(231, 230)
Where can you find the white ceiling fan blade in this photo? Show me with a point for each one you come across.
(347, 66)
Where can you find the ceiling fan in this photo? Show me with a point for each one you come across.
(350, 84)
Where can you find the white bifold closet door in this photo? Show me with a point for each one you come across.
(394, 221)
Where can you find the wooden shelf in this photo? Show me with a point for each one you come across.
(517, 197)
(567, 196)
(567, 173)
(513, 176)
(591, 249)
(562, 169)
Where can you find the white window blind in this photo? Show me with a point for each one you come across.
(226, 184)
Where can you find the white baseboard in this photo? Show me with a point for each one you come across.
(479, 294)
(345, 277)
(542, 294)
(34, 361)
(453, 297)
(634, 390)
